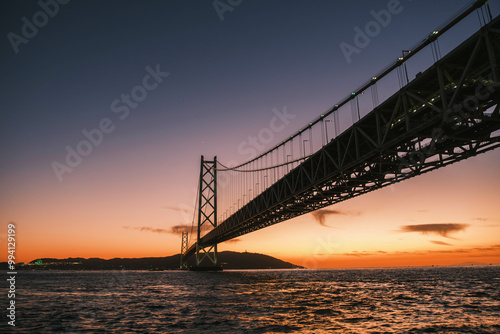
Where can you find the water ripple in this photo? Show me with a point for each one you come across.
(405, 300)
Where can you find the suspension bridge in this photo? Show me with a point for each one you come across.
(448, 112)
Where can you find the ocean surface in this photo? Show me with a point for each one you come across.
(394, 300)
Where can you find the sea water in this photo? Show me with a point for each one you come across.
(387, 300)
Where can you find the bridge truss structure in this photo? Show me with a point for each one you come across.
(449, 112)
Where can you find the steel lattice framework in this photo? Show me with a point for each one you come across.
(184, 248)
(207, 210)
(446, 114)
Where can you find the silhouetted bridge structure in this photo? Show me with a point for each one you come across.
(447, 113)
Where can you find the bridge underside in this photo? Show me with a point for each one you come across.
(448, 113)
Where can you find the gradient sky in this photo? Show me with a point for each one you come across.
(225, 78)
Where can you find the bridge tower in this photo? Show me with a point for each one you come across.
(184, 248)
(207, 210)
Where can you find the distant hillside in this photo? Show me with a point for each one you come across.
(235, 260)
(228, 260)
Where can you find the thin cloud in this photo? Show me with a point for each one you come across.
(175, 208)
(439, 229)
(320, 215)
(483, 219)
(441, 243)
(493, 250)
(177, 229)
(358, 254)
(231, 241)
(363, 253)
(147, 228)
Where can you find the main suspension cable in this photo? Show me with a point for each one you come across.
(226, 168)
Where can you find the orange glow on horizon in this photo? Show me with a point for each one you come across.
(76, 219)
(416, 259)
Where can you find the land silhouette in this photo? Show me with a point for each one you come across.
(228, 260)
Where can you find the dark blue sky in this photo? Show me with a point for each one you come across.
(264, 54)
(223, 74)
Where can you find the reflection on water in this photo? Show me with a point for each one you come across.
(414, 300)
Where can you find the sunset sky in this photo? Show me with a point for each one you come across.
(212, 78)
